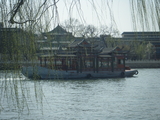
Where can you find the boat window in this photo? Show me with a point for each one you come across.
(105, 62)
(87, 63)
(119, 61)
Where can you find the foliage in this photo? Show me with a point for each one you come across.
(141, 50)
(145, 14)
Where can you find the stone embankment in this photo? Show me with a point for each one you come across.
(10, 65)
(143, 63)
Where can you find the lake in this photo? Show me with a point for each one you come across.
(88, 99)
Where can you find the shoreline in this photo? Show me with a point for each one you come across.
(143, 64)
(132, 64)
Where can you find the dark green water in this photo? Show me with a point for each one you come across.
(98, 99)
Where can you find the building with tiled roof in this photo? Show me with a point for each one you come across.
(56, 39)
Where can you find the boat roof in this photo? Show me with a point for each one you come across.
(116, 50)
(57, 55)
(79, 42)
(104, 56)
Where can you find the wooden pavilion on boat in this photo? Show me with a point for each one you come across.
(83, 56)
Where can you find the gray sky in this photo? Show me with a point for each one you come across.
(97, 12)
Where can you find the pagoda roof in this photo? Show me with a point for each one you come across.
(57, 30)
(112, 50)
(80, 42)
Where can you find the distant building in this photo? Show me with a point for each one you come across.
(59, 39)
(150, 37)
(145, 36)
(54, 40)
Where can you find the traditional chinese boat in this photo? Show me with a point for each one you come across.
(81, 61)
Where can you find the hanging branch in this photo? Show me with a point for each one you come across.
(14, 12)
(20, 4)
(54, 4)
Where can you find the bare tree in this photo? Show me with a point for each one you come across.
(80, 30)
(74, 26)
(109, 30)
(91, 31)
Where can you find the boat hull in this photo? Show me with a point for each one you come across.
(38, 72)
(131, 73)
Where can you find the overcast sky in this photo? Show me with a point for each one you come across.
(97, 12)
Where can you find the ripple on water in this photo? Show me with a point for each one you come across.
(120, 98)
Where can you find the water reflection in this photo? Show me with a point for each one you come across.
(11, 75)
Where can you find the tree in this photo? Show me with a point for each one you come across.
(74, 26)
(108, 30)
(150, 51)
(80, 30)
(141, 50)
(91, 31)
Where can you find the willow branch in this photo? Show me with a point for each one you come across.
(15, 11)
(19, 5)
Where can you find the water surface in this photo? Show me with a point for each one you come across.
(94, 99)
